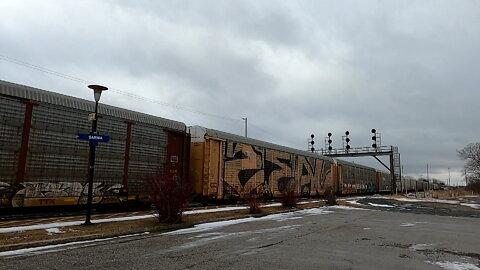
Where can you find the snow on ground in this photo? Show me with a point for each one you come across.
(69, 223)
(54, 230)
(356, 199)
(64, 246)
(411, 224)
(354, 202)
(472, 205)
(381, 205)
(76, 223)
(455, 265)
(205, 238)
(222, 209)
(278, 217)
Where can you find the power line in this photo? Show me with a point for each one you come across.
(121, 92)
(128, 94)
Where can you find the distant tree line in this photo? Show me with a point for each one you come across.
(471, 154)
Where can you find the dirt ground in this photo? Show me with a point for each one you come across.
(40, 237)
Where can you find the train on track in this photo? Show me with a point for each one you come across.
(43, 163)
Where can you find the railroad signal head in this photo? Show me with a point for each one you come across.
(329, 134)
(330, 148)
(374, 138)
(329, 141)
(348, 146)
(347, 140)
(312, 149)
(347, 133)
(312, 136)
(312, 142)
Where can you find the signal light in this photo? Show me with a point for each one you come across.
(312, 149)
(312, 136)
(374, 145)
(329, 134)
(330, 148)
(374, 138)
(329, 141)
(374, 131)
(347, 139)
(348, 146)
(312, 142)
(347, 133)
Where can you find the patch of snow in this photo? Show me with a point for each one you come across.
(207, 238)
(346, 208)
(44, 249)
(314, 201)
(425, 200)
(367, 228)
(354, 202)
(351, 198)
(230, 208)
(277, 217)
(420, 246)
(271, 205)
(381, 205)
(472, 205)
(69, 223)
(455, 265)
(405, 224)
(222, 209)
(54, 230)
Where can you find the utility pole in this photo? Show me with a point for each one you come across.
(245, 119)
(448, 176)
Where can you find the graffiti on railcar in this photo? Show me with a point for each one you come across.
(245, 168)
(250, 167)
(314, 174)
(50, 193)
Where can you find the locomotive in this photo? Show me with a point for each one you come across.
(43, 163)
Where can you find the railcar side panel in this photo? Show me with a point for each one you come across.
(43, 163)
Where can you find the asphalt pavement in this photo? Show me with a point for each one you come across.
(319, 238)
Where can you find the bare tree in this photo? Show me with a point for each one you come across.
(471, 153)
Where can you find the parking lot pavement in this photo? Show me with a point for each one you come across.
(318, 238)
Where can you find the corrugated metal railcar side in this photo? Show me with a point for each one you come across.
(43, 163)
(355, 178)
(225, 165)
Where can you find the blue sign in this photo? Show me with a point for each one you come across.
(94, 138)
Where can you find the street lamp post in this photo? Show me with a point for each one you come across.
(97, 90)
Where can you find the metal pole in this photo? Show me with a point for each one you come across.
(449, 176)
(246, 125)
(91, 167)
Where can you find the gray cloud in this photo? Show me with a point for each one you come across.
(406, 68)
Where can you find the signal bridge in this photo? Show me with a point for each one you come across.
(374, 151)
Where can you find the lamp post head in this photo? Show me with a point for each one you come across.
(97, 91)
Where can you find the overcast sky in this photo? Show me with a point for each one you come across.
(409, 69)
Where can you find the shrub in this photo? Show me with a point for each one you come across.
(254, 197)
(330, 196)
(288, 197)
(167, 195)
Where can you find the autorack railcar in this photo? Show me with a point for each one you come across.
(43, 163)
(355, 178)
(225, 165)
